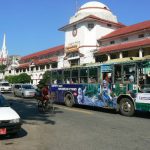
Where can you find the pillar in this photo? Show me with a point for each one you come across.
(140, 52)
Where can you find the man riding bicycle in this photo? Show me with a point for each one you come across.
(45, 94)
(45, 103)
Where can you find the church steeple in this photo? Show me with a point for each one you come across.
(4, 52)
(4, 41)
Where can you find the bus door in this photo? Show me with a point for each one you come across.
(106, 97)
(107, 74)
(119, 87)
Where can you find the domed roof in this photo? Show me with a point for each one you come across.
(94, 8)
(94, 4)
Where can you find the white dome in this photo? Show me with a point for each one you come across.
(94, 8)
(94, 4)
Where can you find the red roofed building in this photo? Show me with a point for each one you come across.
(37, 63)
(129, 41)
(93, 34)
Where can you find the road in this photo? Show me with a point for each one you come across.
(77, 128)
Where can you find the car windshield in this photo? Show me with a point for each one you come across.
(27, 87)
(3, 102)
(5, 84)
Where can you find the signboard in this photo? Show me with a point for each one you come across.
(143, 98)
(106, 68)
(72, 48)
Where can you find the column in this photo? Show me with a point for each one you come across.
(140, 52)
(108, 57)
(29, 70)
(45, 68)
(120, 55)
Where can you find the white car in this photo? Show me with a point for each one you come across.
(10, 122)
(5, 87)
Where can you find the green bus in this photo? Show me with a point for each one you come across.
(124, 85)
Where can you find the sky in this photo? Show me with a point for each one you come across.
(32, 25)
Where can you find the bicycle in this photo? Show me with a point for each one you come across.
(46, 106)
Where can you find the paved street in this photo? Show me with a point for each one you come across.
(77, 129)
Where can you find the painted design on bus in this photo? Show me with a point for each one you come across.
(94, 95)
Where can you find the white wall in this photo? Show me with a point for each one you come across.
(131, 37)
(87, 39)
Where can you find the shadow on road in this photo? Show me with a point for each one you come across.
(27, 109)
(138, 114)
(22, 133)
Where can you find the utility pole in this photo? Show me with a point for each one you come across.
(76, 8)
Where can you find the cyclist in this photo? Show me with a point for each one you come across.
(45, 93)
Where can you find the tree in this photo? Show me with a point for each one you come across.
(2, 68)
(46, 79)
(22, 78)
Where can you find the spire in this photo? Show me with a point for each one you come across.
(4, 42)
(4, 52)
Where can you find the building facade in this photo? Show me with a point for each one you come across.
(92, 21)
(92, 35)
(36, 64)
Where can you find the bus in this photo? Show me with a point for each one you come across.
(123, 86)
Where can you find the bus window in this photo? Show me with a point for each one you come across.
(128, 72)
(75, 75)
(144, 79)
(66, 76)
(93, 75)
(59, 77)
(83, 75)
(54, 77)
(117, 77)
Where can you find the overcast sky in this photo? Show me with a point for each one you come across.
(32, 25)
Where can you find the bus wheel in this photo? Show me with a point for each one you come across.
(126, 107)
(69, 100)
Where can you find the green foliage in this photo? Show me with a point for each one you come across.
(22, 78)
(46, 79)
(2, 68)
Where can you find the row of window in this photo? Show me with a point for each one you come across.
(42, 67)
(126, 38)
(121, 73)
(82, 75)
(41, 57)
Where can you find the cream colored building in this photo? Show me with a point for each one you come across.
(93, 34)
(92, 21)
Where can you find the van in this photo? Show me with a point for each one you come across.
(5, 87)
(10, 122)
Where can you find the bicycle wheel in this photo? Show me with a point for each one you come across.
(41, 107)
(51, 107)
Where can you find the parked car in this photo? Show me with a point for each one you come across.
(5, 87)
(24, 90)
(10, 122)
